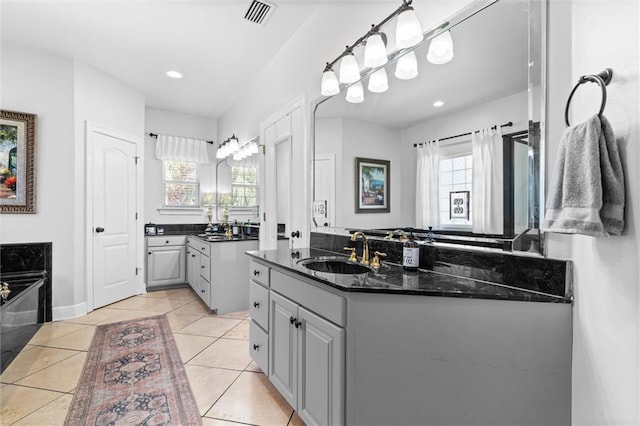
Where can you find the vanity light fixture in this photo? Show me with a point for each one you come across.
(230, 147)
(409, 31)
(407, 66)
(441, 49)
(355, 93)
(174, 74)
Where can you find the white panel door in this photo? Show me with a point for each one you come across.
(114, 198)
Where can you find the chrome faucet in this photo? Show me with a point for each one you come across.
(365, 246)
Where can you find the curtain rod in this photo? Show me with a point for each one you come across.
(155, 135)
(509, 124)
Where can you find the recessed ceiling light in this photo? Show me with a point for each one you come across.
(174, 74)
(438, 104)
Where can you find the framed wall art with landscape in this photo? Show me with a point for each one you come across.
(372, 186)
(17, 162)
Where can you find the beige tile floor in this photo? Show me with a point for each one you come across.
(38, 386)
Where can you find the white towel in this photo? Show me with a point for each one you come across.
(586, 192)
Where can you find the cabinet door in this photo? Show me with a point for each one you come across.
(166, 265)
(321, 359)
(282, 346)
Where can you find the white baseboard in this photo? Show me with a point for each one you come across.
(68, 312)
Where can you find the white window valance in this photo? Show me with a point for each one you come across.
(178, 148)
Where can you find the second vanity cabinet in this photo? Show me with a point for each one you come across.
(217, 272)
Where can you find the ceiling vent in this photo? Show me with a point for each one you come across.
(258, 12)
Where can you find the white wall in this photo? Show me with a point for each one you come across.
(171, 123)
(606, 334)
(39, 83)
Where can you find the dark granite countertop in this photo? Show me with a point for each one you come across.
(215, 238)
(392, 279)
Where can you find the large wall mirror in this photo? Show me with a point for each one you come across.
(496, 77)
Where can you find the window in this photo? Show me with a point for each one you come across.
(181, 184)
(244, 186)
(455, 175)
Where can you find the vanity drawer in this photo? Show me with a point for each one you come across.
(205, 268)
(321, 301)
(259, 304)
(166, 240)
(259, 273)
(204, 248)
(259, 346)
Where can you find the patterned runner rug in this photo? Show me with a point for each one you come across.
(134, 376)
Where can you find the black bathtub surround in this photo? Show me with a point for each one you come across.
(27, 269)
(533, 273)
(27, 258)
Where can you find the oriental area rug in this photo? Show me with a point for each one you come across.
(133, 375)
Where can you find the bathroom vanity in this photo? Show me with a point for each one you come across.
(390, 347)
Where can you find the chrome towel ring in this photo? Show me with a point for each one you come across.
(603, 78)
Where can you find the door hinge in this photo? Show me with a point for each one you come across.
(136, 215)
(264, 150)
(264, 217)
(136, 159)
(137, 270)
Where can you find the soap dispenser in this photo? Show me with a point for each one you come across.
(410, 253)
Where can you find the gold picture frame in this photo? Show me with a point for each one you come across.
(17, 162)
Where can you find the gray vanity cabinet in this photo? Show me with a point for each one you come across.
(306, 353)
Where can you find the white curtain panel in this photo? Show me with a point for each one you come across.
(177, 148)
(487, 211)
(427, 186)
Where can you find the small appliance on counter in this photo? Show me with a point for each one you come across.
(150, 229)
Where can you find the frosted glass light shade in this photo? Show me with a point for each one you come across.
(407, 67)
(375, 52)
(330, 85)
(349, 69)
(378, 81)
(408, 29)
(441, 49)
(355, 93)
(220, 153)
(233, 145)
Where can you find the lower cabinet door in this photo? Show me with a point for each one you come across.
(283, 339)
(166, 265)
(205, 292)
(321, 363)
(259, 346)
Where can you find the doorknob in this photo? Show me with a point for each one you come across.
(295, 234)
(99, 229)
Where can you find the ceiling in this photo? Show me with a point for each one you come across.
(137, 42)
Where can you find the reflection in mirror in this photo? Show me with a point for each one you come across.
(485, 85)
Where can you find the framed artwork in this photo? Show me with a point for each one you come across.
(17, 162)
(459, 205)
(372, 185)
